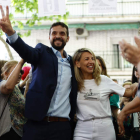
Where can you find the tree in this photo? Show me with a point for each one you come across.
(29, 6)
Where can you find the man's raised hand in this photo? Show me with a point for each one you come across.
(5, 23)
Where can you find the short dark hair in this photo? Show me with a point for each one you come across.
(61, 24)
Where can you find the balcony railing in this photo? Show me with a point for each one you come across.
(114, 60)
(124, 8)
(80, 9)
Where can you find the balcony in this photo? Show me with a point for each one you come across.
(124, 8)
(79, 9)
(114, 61)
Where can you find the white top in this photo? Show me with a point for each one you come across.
(93, 101)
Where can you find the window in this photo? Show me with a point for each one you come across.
(116, 57)
(118, 61)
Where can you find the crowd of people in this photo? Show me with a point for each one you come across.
(64, 97)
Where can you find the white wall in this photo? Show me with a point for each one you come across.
(98, 41)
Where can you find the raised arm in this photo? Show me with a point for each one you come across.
(28, 53)
(130, 92)
(6, 87)
(131, 107)
(5, 23)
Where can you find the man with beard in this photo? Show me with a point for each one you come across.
(51, 98)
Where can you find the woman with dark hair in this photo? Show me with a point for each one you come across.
(135, 76)
(136, 116)
(102, 65)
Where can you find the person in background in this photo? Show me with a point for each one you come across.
(128, 121)
(2, 62)
(114, 99)
(115, 108)
(12, 120)
(93, 106)
(102, 65)
(136, 116)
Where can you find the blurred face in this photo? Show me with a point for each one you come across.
(100, 66)
(86, 64)
(58, 37)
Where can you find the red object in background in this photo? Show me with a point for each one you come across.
(26, 70)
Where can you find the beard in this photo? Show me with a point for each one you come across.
(58, 47)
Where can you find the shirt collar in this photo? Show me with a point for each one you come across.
(65, 54)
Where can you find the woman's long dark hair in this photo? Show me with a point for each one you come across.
(104, 69)
(134, 78)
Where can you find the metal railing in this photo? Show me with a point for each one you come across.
(124, 8)
(114, 60)
(80, 9)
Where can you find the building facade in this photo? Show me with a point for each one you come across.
(99, 32)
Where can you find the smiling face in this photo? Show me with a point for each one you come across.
(58, 37)
(86, 65)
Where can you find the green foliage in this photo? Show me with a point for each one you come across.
(28, 33)
(31, 6)
(20, 25)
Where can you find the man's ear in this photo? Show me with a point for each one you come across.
(77, 64)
